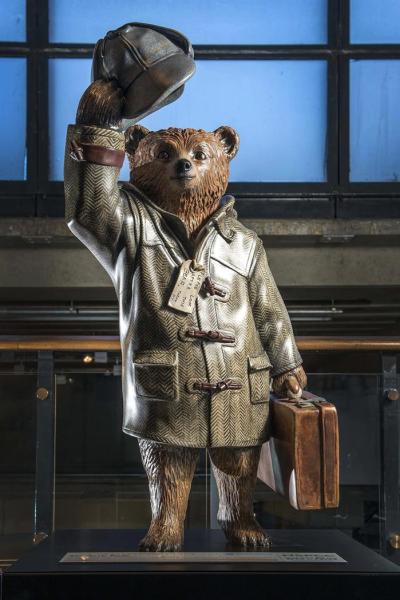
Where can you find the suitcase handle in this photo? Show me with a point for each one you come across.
(304, 402)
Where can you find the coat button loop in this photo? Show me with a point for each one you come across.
(213, 335)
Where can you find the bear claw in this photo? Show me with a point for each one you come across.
(158, 539)
(246, 533)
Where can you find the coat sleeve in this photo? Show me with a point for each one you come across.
(271, 317)
(96, 211)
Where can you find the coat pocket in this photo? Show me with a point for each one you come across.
(156, 375)
(259, 367)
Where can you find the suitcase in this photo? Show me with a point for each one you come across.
(301, 458)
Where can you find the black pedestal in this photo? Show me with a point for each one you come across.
(41, 575)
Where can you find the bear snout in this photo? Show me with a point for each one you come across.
(183, 167)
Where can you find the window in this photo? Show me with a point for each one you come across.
(373, 22)
(305, 83)
(13, 130)
(12, 21)
(221, 21)
(282, 129)
(375, 125)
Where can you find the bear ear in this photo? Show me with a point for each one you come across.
(229, 139)
(133, 136)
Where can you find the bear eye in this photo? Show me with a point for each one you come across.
(163, 155)
(199, 155)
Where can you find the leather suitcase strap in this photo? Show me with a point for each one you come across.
(99, 155)
(329, 474)
(322, 452)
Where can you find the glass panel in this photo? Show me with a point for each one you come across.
(373, 22)
(100, 480)
(17, 462)
(209, 22)
(374, 122)
(282, 131)
(13, 129)
(12, 21)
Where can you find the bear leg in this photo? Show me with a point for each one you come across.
(170, 472)
(235, 471)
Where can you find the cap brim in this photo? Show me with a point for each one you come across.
(156, 86)
(167, 100)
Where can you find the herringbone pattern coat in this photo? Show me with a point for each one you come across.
(142, 247)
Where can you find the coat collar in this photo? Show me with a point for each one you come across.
(221, 220)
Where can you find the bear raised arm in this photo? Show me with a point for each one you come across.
(94, 154)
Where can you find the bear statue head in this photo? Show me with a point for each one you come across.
(184, 171)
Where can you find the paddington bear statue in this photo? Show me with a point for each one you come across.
(204, 331)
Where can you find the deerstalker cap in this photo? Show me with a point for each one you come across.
(150, 63)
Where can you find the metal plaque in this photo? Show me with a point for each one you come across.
(202, 557)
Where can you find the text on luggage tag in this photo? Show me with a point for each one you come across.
(190, 279)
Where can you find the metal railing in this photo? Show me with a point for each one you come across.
(112, 343)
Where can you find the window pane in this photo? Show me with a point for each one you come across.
(13, 129)
(282, 129)
(12, 21)
(208, 22)
(17, 459)
(373, 22)
(279, 111)
(374, 120)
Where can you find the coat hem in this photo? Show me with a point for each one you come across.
(161, 440)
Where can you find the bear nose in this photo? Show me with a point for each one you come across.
(183, 166)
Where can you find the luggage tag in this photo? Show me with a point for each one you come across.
(190, 279)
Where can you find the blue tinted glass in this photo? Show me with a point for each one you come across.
(374, 22)
(204, 22)
(13, 118)
(12, 21)
(279, 110)
(374, 120)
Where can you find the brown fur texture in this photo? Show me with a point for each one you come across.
(101, 104)
(197, 197)
(170, 472)
(235, 471)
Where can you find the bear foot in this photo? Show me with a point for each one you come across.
(161, 538)
(246, 532)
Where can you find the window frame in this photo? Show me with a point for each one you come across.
(38, 196)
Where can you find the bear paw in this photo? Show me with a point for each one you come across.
(246, 532)
(161, 538)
